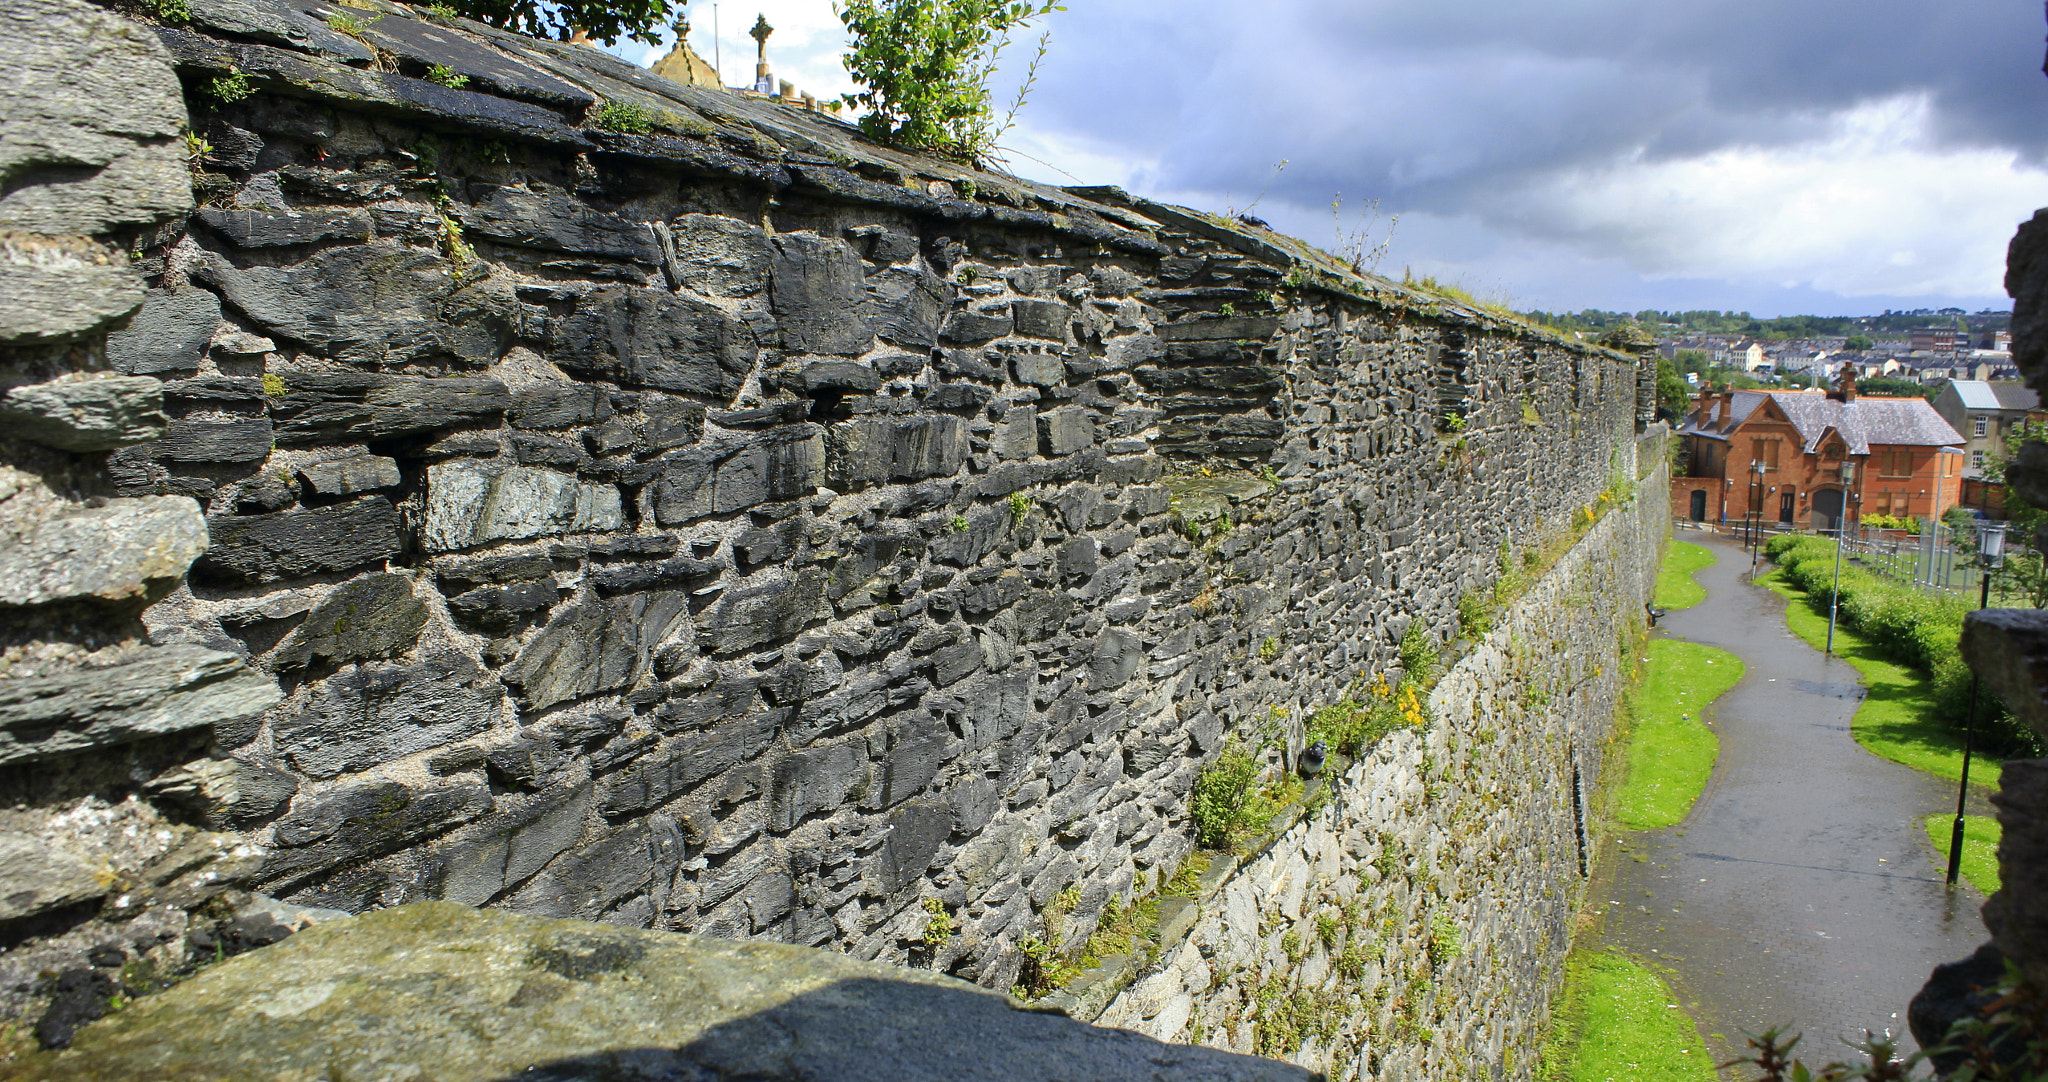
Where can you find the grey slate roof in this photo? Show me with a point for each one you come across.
(1864, 423)
(2016, 396)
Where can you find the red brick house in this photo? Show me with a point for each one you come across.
(1908, 460)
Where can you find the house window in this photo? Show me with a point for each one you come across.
(1980, 426)
(1976, 460)
(1895, 462)
(1766, 452)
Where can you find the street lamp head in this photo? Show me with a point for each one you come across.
(1991, 543)
(1848, 472)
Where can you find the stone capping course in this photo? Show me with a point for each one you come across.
(734, 136)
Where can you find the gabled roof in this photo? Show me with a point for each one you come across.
(1863, 424)
(1976, 394)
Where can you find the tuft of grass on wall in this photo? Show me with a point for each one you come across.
(1980, 848)
(1671, 750)
(1619, 1022)
(1676, 587)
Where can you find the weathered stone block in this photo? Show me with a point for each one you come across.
(338, 407)
(649, 338)
(373, 714)
(722, 257)
(367, 819)
(972, 327)
(593, 646)
(139, 692)
(558, 222)
(209, 439)
(767, 611)
(373, 302)
(1065, 431)
(369, 617)
(1038, 369)
(85, 412)
(1042, 319)
(564, 405)
(738, 473)
(169, 333)
(816, 291)
(303, 541)
(908, 303)
(35, 878)
(124, 551)
(351, 476)
(876, 450)
(472, 503)
(266, 229)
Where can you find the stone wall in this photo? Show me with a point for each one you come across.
(1413, 919)
(735, 527)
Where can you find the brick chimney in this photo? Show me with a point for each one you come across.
(1847, 384)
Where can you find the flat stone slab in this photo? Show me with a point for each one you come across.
(440, 991)
(148, 691)
(117, 552)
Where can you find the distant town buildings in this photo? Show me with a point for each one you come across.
(1778, 455)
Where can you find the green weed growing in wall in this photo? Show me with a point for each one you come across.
(229, 88)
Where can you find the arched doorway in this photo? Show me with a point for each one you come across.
(1827, 509)
(1699, 505)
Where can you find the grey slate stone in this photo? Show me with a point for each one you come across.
(372, 302)
(554, 406)
(1065, 431)
(368, 617)
(320, 407)
(140, 692)
(54, 289)
(96, 412)
(168, 334)
(266, 229)
(876, 450)
(376, 713)
(552, 221)
(816, 292)
(36, 877)
(768, 611)
(211, 439)
(471, 503)
(721, 257)
(1042, 319)
(1038, 369)
(124, 551)
(908, 303)
(738, 473)
(92, 112)
(299, 542)
(351, 476)
(648, 338)
(363, 820)
(592, 646)
(974, 327)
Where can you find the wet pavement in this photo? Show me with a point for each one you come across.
(1801, 889)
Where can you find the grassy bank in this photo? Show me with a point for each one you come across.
(1980, 848)
(1676, 588)
(1671, 750)
(1619, 1022)
(1897, 720)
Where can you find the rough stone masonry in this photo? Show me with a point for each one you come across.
(730, 526)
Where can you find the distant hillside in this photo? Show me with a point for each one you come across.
(1713, 322)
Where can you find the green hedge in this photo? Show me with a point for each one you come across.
(1907, 626)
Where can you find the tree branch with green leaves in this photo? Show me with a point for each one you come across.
(925, 67)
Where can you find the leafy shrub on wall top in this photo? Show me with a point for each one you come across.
(605, 20)
(926, 64)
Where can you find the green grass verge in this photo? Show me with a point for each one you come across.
(1671, 751)
(1896, 720)
(1619, 1022)
(1676, 588)
(1980, 848)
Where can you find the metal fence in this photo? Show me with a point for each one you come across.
(1932, 561)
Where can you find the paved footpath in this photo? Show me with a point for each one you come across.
(1801, 889)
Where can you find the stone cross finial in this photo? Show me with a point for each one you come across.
(760, 34)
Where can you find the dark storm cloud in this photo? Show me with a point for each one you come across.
(1445, 106)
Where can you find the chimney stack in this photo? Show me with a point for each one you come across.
(1848, 383)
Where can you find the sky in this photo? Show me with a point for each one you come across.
(1773, 156)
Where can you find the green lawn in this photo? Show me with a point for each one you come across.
(1676, 588)
(1980, 848)
(1894, 721)
(1619, 1022)
(1671, 751)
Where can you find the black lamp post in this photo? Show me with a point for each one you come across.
(1841, 538)
(1756, 511)
(1990, 546)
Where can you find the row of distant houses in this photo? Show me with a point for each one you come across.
(1929, 356)
(1780, 456)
